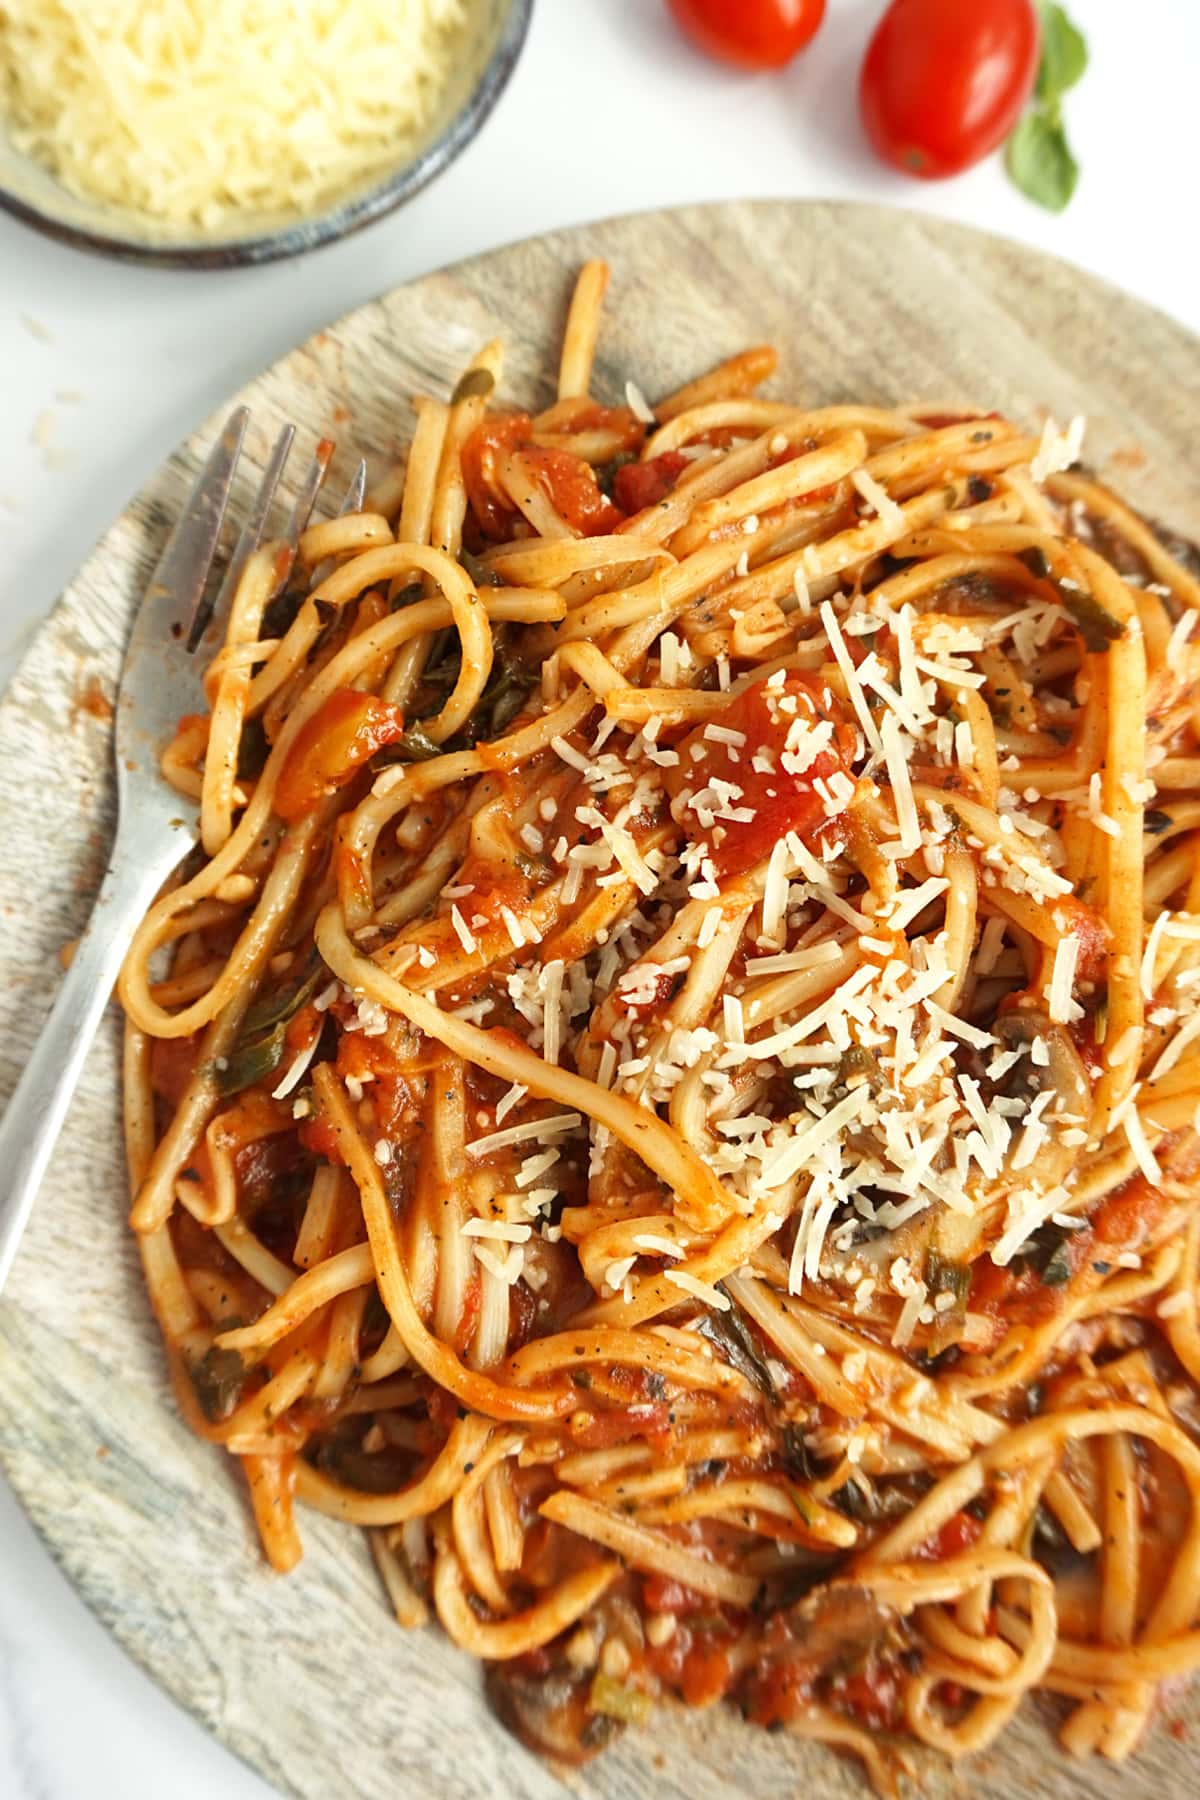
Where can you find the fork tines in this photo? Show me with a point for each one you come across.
(253, 530)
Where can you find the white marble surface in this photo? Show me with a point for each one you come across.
(132, 359)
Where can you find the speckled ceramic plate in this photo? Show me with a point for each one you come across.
(306, 1677)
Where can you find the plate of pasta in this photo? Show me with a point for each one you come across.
(648, 1163)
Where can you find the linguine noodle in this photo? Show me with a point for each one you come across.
(669, 1093)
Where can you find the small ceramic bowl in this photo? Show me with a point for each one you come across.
(33, 195)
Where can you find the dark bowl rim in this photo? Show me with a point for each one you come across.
(340, 221)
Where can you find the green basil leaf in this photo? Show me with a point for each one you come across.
(258, 1049)
(1064, 53)
(730, 1334)
(252, 1062)
(479, 572)
(1095, 624)
(279, 1007)
(415, 745)
(1039, 160)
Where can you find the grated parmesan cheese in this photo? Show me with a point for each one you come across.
(638, 404)
(879, 500)
(1059, 1004)
(192, 113)
(700, 1290)
(1058, 449)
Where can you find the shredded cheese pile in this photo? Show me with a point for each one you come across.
(189, 111)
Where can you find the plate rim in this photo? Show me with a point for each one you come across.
(145, 500)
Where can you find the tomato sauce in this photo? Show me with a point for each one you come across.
(1084, 922)
(706, 1675)
(1011, 1296)
(482, 454)
(172, 1063)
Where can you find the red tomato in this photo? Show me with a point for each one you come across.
(707, 1673)
(336, 741)
(484, 450)
(944, 81)
(872, 1695)
(319, 1136)
(661, 1594)
(751, 34)
(567, 479)
(778, 800)
(1007, 1295)
(642, 484)
(1129, 1215)
(573, 490)
(959, 1533)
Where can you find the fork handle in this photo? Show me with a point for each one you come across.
(39, 1102)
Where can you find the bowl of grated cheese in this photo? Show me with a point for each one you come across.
(196, 135)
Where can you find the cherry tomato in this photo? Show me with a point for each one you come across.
(751, 34)
(944, 81)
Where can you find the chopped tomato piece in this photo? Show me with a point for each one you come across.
(960, 1531)
(342, 735)
(642, 484)
(780, 1691)
(872, 1694)
(573, 490)
(707, 1674)
(1012, 1296)
(567, 480)
(318, 1136)
(483, 452)
(1126, 1218)
(745, 795)
(661, 1594)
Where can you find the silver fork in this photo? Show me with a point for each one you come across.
(160, 680)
